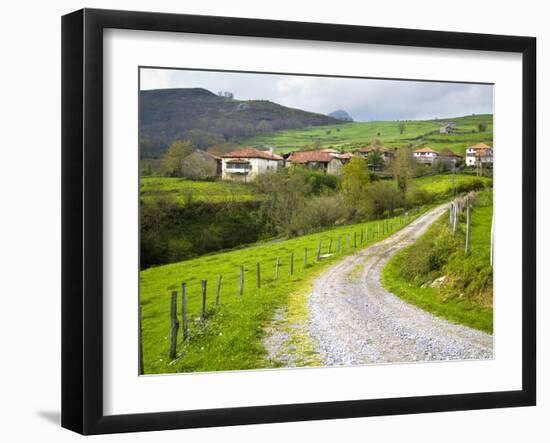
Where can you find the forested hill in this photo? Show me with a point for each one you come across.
(208, 119)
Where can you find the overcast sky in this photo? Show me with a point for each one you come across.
(363, 99)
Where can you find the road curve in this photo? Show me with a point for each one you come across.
(354, 320)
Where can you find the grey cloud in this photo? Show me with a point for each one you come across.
(363, 99)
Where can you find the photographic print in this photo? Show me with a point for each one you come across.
(291, 221)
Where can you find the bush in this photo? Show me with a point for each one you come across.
(319, 212)
(420, 197)
(430, 254)
(381, 197)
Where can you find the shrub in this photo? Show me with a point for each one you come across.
(319, 212)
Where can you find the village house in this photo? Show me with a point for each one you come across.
(449, 157)
(387, 153)
(329, 163)
(425, 155)
(447, 128)
(479, 155)
(247, 163)
(344, 157)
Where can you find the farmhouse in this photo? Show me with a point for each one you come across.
(425, 155)
(247, 163)
(386, 153)
(322, 161)
(479, 155)
(449, 157)
(447, 128)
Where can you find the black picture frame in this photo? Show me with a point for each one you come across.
(82, 219)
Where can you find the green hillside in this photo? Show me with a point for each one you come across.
(208, 119)
(349, 136)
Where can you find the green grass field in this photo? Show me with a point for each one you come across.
(351, 136)
(181, 190)
(441, 185)
(467, 298)
(230, 338)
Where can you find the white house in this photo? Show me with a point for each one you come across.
(247, 163)
(425, 155)
(480, 154)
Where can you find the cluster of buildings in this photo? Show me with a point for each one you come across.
(247, 163)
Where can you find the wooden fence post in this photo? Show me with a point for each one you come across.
(378, 231)
(455, 217)
(319, 250)
(468, 229)
(277, 262)
(174, 324)
(203, 305)
(354, 239)
(218, 290)
(258, 274)
(241, 281)
(366, 234)
(184, 312)
(291, 263)
(305, 257)
(330, 245)
(362, 236)
(140, 367)
(339, 243)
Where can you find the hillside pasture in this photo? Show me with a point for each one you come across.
(230, 337)
(183, 190)
(351, 136)
(441, 186)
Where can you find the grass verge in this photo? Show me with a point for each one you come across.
(436, 275)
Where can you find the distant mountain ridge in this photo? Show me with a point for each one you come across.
(342, 115)
(207, 118)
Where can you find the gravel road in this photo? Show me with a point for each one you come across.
(354, 320)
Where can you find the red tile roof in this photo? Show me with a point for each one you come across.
(425, 150)
(252, 153)
(479, 146)
(310, 156)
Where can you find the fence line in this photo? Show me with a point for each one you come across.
(387, 226)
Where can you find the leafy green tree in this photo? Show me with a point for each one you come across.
(375, 159)
(174, 160)
(401, 127)
(403, 168)
(481, 127)
(355, 179)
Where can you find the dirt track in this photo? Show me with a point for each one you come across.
(354, 320)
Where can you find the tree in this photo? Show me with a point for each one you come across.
(481, 127)
(355, 179)
(375, 160)
(403, 168)
(173, 161)
(401, 127)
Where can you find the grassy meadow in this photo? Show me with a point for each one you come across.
(230, 338)
(466, 293)
(441, 185)
(183, 190)
(350, 136)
